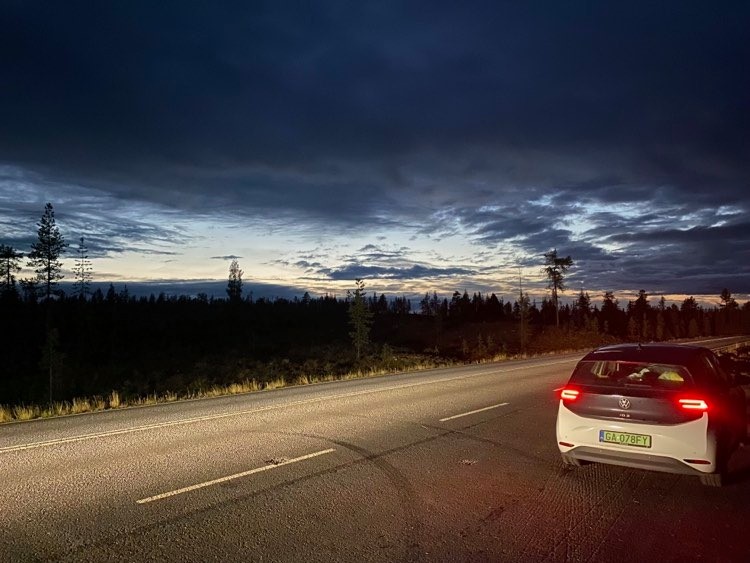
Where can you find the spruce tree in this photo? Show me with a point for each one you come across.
(360, 318)
(234, 283)
(9, 259)
(45, 253)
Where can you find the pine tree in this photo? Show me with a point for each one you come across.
(360, 318)
(45, 253)
(82, 271)
(9, 259)
(234, 283)
(555, 269)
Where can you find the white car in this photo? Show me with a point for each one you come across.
(662, 407)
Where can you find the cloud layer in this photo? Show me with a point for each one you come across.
(616, 133)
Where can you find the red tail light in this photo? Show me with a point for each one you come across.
(568, 394)
(694, 404)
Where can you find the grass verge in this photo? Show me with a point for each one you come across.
(116, 401)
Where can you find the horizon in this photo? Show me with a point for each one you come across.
(216, 289)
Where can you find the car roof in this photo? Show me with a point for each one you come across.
(677, 354)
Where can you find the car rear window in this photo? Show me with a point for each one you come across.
(636, 374)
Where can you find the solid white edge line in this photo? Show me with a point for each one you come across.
(80, 438)
(472, 412)
(230, 477)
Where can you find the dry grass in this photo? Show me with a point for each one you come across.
(80, 406)
(114, 400)
(55, 409)
(144, 401)
(277, 383)
(6, 415)
(22, 412)
(301, 380)
(213, 391)
(247, 386)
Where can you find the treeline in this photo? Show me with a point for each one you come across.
(639, 319)
(56, 347)
(72, 346)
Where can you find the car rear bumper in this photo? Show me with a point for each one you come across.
(687, 448)
(636, 460)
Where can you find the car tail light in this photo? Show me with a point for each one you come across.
(694, 404)
(568, 394)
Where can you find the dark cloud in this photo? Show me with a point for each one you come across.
(415, 271)
(615, 132)
(227, 257)
(381, 265)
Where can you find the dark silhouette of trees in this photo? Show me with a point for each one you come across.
(437, 310)
(729, 317)
(400, 306)
(690, 313)
(524, 319)
(141, 345)
(234, 283)
(52, 359)
(727, 301)
(640, 324)
(9, 266)
(555, 269)
(46, 251)
(610, 318)
(360, 318)
(581, 314)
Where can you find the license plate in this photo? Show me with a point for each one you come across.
(625, 439)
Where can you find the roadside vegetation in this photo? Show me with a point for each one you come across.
(90, 351)
(116, 351)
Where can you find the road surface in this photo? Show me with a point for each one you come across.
(445, 465)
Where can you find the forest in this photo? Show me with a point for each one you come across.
(139, 346)
(57, 346)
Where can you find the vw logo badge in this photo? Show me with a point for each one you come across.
(624, 403)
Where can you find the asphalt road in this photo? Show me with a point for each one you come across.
(445, 465)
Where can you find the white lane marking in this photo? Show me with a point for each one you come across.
(472, 412)
(235, 476)
(82, 437)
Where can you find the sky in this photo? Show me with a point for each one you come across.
(420, 146)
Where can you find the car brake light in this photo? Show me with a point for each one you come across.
(569, 394)
(694, 404)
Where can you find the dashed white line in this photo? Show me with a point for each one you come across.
(472, 412)
(230, 477)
